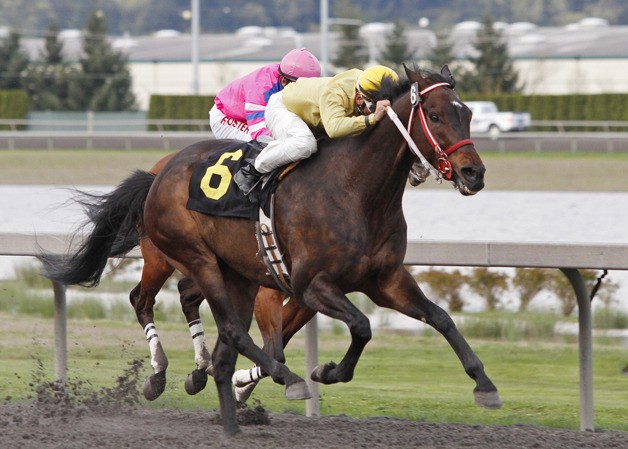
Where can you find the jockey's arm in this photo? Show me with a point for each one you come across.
(335, 108)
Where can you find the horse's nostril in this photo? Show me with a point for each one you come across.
(473, 173)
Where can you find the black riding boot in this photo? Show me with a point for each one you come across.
(247, 177)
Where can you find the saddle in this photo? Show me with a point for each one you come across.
(212, 190)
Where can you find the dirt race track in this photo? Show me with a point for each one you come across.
(37, 425)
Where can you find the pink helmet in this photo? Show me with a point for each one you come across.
(299, 63)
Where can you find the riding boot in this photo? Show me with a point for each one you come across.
(247, 178)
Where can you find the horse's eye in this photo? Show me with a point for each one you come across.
(434, 118)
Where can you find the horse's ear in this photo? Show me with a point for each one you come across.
(410, 74)
(448, 76)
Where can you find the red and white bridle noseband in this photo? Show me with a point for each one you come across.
(444, 166)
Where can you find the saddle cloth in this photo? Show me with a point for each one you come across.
(213, 192)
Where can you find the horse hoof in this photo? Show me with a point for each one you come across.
(231, 430)
(488, 399)
(298, 390)
(321, 374)
(196, 381)
(154, 386)
(242, 394)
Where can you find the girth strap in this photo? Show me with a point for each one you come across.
(269, 249)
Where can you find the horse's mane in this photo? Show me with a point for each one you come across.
(391, 90)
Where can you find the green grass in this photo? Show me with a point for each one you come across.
(404, 376)
(505, 171)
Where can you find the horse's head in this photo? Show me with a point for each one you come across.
(441, 128)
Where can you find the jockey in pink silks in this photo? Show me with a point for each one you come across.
(238, 111)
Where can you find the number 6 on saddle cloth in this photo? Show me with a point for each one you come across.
(213, 192)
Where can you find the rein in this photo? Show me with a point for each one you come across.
(444, 170)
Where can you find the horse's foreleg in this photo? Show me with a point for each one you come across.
(402, 293)
(224, 359)
(154, 274)
(191, 299)
(231, 325)
(324, 294)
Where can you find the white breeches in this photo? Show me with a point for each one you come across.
(293, 139)
(225, 127)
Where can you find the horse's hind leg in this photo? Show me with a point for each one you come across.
(268, 311)
(191, 299)
(277, 323)
(155, 273)
(401, 292)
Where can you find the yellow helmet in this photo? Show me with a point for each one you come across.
(371, 79)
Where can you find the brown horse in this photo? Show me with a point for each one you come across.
(339, 234)
(277, 322)
(340, 223)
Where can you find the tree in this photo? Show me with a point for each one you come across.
(53, 47)
(49, 81)
(13, 62)
(442, 52)
(351, 52)
(106, 79)
(561, 287)
(529, 282)
(489, 285)
(445, 286)
(493, 70)
(396, 50)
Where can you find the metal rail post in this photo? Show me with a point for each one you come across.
(585, 335)
(312, 406)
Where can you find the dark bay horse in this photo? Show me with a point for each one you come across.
(342, 230)
(340, 223)
(278, 322)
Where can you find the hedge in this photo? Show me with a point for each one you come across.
(180, 107)
(13, 105)
(599, 107)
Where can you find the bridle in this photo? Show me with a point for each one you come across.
(444, 169)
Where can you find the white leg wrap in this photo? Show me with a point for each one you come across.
(246, 376)
(158, 359)
(201, 352)
(243, 393)
(151, 332)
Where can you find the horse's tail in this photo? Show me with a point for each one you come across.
(114, 218)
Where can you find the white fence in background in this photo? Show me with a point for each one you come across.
(134, 133)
